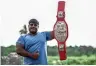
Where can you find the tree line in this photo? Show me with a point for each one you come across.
(53, 50)
(73, 51)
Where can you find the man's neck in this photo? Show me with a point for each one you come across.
(33, 34)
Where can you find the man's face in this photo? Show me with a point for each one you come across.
(33, 28)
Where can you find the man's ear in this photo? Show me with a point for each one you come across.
(38, 26)
(28, 26)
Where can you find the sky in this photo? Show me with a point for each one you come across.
(80, 17)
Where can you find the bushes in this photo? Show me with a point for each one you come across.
(72, 60)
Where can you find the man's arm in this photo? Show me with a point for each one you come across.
(52, 34)
(21, 51)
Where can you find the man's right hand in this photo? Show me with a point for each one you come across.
(35, 55)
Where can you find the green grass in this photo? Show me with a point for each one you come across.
(73, 60)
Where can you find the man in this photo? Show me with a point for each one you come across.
(32, 45)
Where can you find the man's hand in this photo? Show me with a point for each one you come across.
(35, 55)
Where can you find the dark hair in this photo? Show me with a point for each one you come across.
(33, 21)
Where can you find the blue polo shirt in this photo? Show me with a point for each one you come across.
(33, 44)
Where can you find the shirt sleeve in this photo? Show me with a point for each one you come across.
(47, 35)
(20, 40)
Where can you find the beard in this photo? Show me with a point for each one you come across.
(33, 30)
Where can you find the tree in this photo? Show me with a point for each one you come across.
(24, 30)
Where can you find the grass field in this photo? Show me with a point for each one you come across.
(81, 60)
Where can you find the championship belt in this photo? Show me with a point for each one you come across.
(61, 30)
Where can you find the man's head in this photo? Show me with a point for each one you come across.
(33, 26)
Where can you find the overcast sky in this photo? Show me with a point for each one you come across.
(80, 17)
